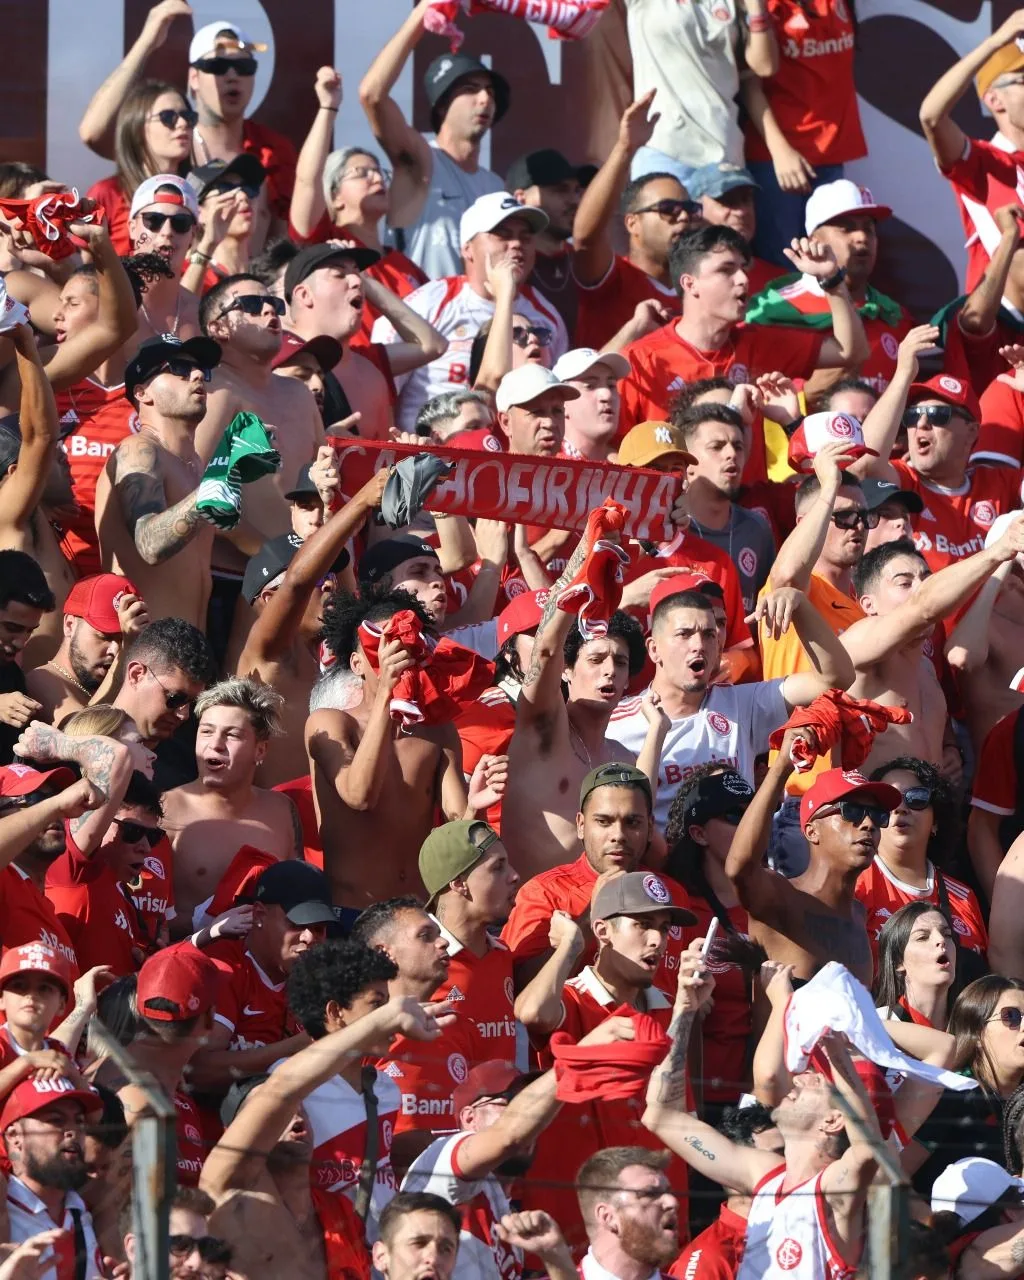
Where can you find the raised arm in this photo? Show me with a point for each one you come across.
(37, 418)
(968, 647)
(503, 277)
(848, 346)
(97, 126)
(541, 696)
(796, 558)
(833, 668)
(539, 1005)
(759, 888)
(592, 226)
(883, 422)
(491, 542)
(760, 48)
(845, 1183)
(772, 1080)
(19, 829)
(419, 342)
(945, 137)
(116, 316)
(159, 531)
(308, 205)
(978, 314)
(1006, 938)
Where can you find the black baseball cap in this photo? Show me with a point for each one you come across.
(302, 892)
(878, 492)
(157, 351)
(714, 796)
(384, 557)
(315, 256)
(445, 72)
(544, 168)
(304, 486)
(245, 167)
(272, 559)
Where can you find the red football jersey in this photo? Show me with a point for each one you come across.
(1001, 439)
(26, 915)
(986, 177)
(252, 1007)
(606, 306)
(995, 780)
(883, 894)
(954, 522)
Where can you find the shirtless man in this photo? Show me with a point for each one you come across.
(162, 221)
(903, 601)
(245, 320)
(210, 819)
(102, 615)
(813, 918)
(146, 513)
(283, 646)
(377, 787)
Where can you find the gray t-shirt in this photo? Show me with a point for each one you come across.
(748, 542)
(433, 242)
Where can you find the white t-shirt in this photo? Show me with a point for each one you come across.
(732, 725)
(458, 312)
(688, 53)
(483, 1202)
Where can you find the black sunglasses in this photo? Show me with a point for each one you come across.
(670, 210)
(181, 368)
(521, 336)
(855, 516)
(170, 116)
(1010, 1018)
(221, 66)
(211, 1249)
(174, 699)
(853, 812)
(917, 797)
(221, 188)
(253, 304)
(937, 415)
(180, 222)
(132, 832)
(10, 803)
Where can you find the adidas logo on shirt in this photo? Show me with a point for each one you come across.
(677, 384)
(455, 994)
(393, 1070)
(927, 515)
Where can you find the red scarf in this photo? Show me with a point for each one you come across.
(913, 1014)
(594, 594)
(566, 19)
(347, 1255)
(837, 719)
(47, 218)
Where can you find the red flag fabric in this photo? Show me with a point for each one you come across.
(607, 1072)
(835, 718)
(47, 218)
(557, 492)
(594, 594)
(566, 19)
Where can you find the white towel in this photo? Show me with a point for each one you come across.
(835, 1001)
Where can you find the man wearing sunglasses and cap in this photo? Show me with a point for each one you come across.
(162, 221)
(466, 100)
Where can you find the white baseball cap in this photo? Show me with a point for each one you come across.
(183, 194)
(969, 1187)
(491, 210)
(204, 42)
(575, 363)
(527, 383)
(837, 199)
(820, 429)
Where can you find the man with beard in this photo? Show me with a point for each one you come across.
(631, 1214)
(146, 496)
(496, 227)
(162, 220)
(102, 615)
(547, 181)
(276, 1217)
(210, 820)
(43, 1124)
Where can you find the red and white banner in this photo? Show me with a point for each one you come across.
(559, 493)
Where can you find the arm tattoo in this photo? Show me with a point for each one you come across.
(95, 757)
(1017, 1251)
(699, 1147)
(672, 1072)
(564, 578)
(158, 533)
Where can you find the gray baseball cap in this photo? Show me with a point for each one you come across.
(637, 893)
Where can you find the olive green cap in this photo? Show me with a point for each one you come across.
(452, 850)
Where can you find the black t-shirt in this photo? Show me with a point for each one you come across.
(12, 680)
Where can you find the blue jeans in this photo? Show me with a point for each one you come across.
(780, 214)
(787, 848)
(651, 160)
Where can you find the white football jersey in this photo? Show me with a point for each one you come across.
(789, 1237)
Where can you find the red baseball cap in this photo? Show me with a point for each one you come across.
(872, 1077)
(34, 1095)
(22, 779)
(945, 387)
(181, 975)
(521, 614)
(493, 1079)
(35, 957)
(324, 349)
(680, 582)
(837, 784)
(96, 600)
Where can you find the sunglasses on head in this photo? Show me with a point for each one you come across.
(917, 797)
(181, 367)
(937, 415)
(521, 336)
(170, 116)
(1010, 1018)
(855, 516)
(854, 812)
(180, 222)
(670, 210)
(132, 832)
(211, 1249)
(253, 304)
(219, 66)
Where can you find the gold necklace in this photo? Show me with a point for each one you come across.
(63, 671)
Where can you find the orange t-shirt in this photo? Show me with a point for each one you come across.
(954, 522)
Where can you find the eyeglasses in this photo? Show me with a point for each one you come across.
(174, 699)
(180, 222)
(253, 304)
(671, 210)
(366, 171)
(221, 66)
(937, 415)
(1010, 1018)
(855, 516)
(181, 368)
(521, 336)
(854, 813)
(170, 116)
(132, 832)
(222, 188)
(917, 797)
(211, 1248)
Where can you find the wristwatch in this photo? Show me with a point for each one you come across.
(832, 282)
